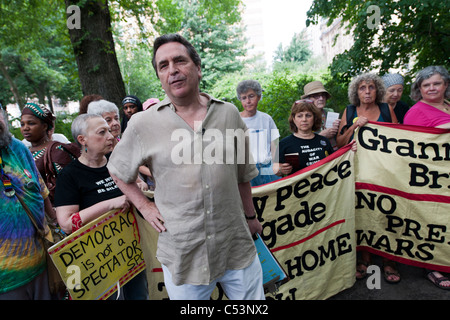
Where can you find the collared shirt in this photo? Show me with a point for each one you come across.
(22, 256)
(196, 173)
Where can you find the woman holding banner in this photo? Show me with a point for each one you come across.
(366, 93)
(85, 190)
(303, 147)
(430, 90)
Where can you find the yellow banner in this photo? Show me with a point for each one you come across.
(391, 197)
(308, 223)
(403, 194)
(102, 255)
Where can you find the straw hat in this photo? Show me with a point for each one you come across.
(313, 88)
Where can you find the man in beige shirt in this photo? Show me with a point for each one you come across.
(200, 160)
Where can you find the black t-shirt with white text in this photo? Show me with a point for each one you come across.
(309, 150)
(84, 186)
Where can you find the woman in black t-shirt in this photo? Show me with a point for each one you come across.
(303, 147)
(84, 189)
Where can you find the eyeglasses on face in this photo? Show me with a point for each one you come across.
(304, 101)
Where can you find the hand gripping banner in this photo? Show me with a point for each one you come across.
(101, 256)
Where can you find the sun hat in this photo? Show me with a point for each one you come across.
(392, 79)
(313, 88)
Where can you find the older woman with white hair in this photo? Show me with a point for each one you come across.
(110, 113)
(85, 190)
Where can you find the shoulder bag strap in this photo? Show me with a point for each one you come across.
(40, 231)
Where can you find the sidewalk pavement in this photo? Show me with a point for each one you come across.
(413, 286)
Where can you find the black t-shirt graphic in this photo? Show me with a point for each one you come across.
(85, 186)
(309, 150)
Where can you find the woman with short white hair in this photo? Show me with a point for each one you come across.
(110, 113)
(85, 190)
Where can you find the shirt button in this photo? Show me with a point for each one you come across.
(205, 269)
(207, 186)
(208, 212)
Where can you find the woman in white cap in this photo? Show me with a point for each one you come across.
(394, 84)
(315, 91)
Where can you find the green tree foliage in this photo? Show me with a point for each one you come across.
(137, 72)
(35, 56)
(298, 50)
(281, 88)
(210, 26)
(410, 35)
(217, 39)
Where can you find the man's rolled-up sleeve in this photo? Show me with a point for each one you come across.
(126, 157)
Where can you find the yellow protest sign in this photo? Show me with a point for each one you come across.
(403, 194)
(101, 255)
(391, 197)
(308, 223)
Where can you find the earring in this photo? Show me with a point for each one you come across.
(85, 148)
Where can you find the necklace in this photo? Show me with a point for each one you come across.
(7, 185)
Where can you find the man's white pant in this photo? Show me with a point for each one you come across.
(244, 284)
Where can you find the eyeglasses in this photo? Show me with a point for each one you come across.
(304, 101)
(318, 95)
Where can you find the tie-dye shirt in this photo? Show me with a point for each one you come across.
(22, 256)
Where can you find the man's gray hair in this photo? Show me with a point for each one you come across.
(101, 106)
(246, 85)
(80, 125)
(425, 74)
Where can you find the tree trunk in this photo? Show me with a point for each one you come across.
(93, 44)
(12, 85)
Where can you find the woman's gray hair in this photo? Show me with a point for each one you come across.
(101, 106)
(425, 74)
(246, 85)
(80, 125)
(354, 85)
